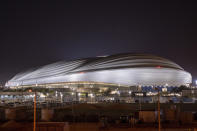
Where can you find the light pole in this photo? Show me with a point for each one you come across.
(159, 123)
(140, 90)
(22, 90)
(73, 93)
(35, 109)
(158, 109)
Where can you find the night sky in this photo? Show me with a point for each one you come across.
(35, 34)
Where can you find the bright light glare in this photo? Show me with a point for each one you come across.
(164, 89)
(91, 95)
(56, 93)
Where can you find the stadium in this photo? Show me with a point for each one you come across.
(121, 69)
(116, 74)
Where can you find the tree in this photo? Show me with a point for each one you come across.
(179, 89)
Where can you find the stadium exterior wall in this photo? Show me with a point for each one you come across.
(126, 69)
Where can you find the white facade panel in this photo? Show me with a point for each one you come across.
(124, 69)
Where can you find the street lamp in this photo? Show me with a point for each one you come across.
(35, 109)
(158, 110)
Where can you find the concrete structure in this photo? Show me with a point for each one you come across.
(10, 114)
(186, 117)
(189, 93)
(41, 126)
(147, 116)
(46, 114)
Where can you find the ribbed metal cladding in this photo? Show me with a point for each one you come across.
(134, 68)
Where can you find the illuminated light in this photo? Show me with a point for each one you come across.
(29, 90)
(164, 89)
(91, 95)
(151, 93)
(66, 87)
(139, 94)
(129, 92)
(196, 82)
(42, 95)
(113, 92)
(158, 67)
(72, 93)
(79, 94)
(112, 98)
(81, 72)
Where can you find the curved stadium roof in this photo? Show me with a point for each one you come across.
(127, 69)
